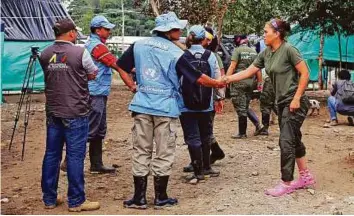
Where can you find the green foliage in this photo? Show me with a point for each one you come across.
(82, 11)
(331, 15)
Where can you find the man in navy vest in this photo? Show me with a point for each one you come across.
(156, 105)
(100, 89)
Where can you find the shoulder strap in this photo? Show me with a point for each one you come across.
(206, 55)
(188, 53)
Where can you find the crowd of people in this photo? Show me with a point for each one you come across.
(172, 82)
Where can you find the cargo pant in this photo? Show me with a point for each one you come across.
(267, 98)
(291, 146)
(147, 129)
(241, 96)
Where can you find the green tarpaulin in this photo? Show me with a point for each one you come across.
(15, 61)
(308, 43)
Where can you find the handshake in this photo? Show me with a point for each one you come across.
(223, 81)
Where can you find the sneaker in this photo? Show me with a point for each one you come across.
(280, 190)
(86, 206)
(350, 120)
(305, 180)
(59, 201)
(334, 122)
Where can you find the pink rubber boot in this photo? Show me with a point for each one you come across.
(280, 190)
(305, 180)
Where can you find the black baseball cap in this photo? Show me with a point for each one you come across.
(63, 26)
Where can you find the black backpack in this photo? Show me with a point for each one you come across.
(346, 92)
(195, 96)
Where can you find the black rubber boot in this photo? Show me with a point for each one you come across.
(95, 151)
(139, 199)
(197, 163)
(208, 171)
(242, 128)
(161, 198)
(265, 122)
(216, 152)
(189, 167)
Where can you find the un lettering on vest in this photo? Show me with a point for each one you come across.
(156, 44)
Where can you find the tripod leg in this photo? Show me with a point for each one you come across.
(28, 105)
(22, 97)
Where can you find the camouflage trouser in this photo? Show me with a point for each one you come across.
(267, 98)
(241, 96)
(290, 142)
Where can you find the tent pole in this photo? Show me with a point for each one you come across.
(320, 60)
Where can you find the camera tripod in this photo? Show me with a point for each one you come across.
(26, 92)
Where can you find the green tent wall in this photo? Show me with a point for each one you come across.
(308, 43)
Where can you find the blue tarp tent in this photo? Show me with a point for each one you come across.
(27, 23)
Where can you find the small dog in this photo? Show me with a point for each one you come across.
(315, 106)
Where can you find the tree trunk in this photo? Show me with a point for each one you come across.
(155, 9)
(320, 60)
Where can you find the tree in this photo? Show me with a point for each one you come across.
(82, 11)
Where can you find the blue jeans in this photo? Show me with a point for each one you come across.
(74, 132)
(332, 104)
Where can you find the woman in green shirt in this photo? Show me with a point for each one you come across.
(289, 75)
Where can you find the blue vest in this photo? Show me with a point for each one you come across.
(158, 86)
(102, 84)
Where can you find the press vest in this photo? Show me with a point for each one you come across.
(66, 88)
(102, 84)
(155, 61)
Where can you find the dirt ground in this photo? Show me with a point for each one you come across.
(250, 166)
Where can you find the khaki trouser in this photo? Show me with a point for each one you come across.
(162, 130)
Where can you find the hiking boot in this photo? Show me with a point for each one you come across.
(59, 201)
(258, 130)
(211, 173)
(139, 199)
(161, 199)
(305, 180)
(86, 206)
(264, 131)
(280, 190)
(188, 168)
(95, 151)
(350, 120)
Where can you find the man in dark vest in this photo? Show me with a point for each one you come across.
(67, 70)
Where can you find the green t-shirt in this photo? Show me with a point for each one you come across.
(221, 65)
(280, 67)
(244, 56)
